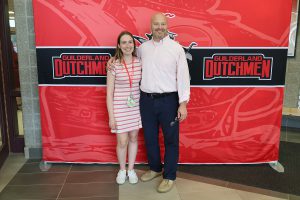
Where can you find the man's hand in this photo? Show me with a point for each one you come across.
(182, 111)
(110, 64)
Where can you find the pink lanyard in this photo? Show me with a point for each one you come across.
(129, 77)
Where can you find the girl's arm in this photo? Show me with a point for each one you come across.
(109, 98)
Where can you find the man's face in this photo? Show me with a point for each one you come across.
(159, 26)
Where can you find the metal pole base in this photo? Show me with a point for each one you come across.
(277, 167)
(44, 166)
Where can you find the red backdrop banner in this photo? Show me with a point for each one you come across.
(237, 60)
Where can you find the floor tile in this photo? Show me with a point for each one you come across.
(38, 178)
(294, 197)
(11, 166)
(90, 198)
(146, 191)
(35, 168)
(208, 195)
(142, 167)
(72, 190)
(188, 186)
(202, 179)
(39, 192)
(254, 196)
(92, 177)
(94, 167)
(256, 190)
(283, 135)
(172, 195)
(293, 136)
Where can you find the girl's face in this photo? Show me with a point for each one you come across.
(126, 45)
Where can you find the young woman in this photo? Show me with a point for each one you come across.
(122, 101)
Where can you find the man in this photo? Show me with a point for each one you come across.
(165, 91)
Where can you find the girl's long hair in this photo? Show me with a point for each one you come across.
(119, 53)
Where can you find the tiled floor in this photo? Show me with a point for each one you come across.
(11, 166)
(62, 181)
(91, 182)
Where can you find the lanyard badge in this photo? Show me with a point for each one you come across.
(130, 101)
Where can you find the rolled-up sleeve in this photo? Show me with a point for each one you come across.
(183, 78)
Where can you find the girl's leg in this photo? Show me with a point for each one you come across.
(132, 148)
(122, 143)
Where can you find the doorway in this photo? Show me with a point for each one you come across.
(12, 134)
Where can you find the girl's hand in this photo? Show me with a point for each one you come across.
(112, 124)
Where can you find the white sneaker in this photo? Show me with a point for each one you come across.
(133, 178)
(121, 177)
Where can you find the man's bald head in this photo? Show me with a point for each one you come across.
(160, 16)
(159, 26)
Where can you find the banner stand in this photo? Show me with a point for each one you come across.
(277, 167)
(45, 166)
(237, 64)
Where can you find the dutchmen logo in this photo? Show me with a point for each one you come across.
(222, 65)
(80, 65)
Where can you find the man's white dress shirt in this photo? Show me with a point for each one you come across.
(164, 68)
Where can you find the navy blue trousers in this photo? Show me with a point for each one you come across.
(157, 112)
